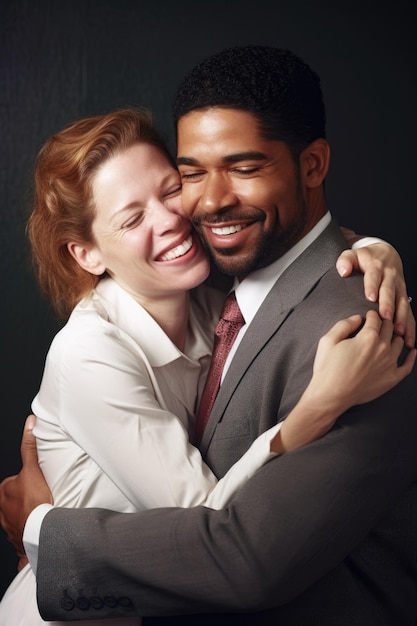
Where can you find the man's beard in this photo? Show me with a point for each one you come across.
(269, 247)
(231, 263)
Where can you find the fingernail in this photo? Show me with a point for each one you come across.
(30, 423)
(400, 329)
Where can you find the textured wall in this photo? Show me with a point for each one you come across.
(61, 59)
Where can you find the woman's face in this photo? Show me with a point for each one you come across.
(142, 236)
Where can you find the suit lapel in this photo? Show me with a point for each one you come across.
(288, 291)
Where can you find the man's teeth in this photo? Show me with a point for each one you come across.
(226, 230)
(178, 250)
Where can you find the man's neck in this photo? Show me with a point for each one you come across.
(278, 266)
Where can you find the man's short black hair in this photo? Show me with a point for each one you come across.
(273, 84)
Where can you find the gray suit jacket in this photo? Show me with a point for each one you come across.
(324, 535)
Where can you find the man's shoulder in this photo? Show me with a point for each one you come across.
(344, 294)
(329, 300)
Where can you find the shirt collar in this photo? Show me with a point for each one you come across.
(122, 310)
(254, 288)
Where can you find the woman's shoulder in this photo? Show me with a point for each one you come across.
(88, 329)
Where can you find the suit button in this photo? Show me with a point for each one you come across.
(67, 603)
(96, 602)
(110, 601)
(125, 603)
(82, 603)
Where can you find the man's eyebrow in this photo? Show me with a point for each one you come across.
(244, 156)
(230, 158)
(186, 161)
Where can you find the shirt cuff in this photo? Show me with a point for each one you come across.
(32, 532)
(368, 241)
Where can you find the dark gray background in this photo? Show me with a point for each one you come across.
(63, 59)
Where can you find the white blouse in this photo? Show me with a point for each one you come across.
(113, 411)
(117, 401)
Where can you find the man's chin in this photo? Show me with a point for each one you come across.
(234, 265)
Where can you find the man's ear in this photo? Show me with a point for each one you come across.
(89, 258)
(314, 163)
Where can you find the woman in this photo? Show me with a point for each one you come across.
(115, 253)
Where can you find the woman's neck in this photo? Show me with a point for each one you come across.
(171, 313)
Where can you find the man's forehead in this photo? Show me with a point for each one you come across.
(217, 115)
(225, 132)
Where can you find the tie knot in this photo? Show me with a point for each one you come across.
(231, 311)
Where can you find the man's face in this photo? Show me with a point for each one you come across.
(242, 192)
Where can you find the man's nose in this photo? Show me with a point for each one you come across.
(217, 193)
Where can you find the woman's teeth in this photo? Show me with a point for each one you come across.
(178, 250)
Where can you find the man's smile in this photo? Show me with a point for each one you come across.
(227, 230)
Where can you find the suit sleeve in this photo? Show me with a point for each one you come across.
(295, 520)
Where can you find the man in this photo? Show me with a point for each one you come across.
(323, 535)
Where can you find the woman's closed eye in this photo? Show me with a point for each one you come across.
(133, 220)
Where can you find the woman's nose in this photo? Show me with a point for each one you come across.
(165, 219)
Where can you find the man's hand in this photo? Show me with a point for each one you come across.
(22, 493)
(384, 282)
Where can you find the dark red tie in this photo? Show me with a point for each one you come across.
(230, 322)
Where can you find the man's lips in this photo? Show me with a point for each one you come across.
(227, 224)
(178, 250)
(226, 236)
(228, 230)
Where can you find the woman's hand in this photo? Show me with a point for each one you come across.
(20, 494)
(354, 370)
(383, 282)
(347, 371)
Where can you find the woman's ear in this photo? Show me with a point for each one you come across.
(314, 163)
(89, 258)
